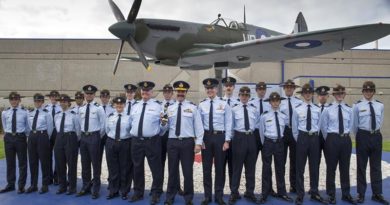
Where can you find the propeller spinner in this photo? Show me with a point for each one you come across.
(125, 30)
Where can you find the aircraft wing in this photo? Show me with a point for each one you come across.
(285, 47)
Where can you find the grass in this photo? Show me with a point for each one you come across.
(2, 155)
(385, 145)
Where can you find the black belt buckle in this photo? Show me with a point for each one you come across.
(248, 132)
(215, 132)
(180, 138)
(141, 138)
(14, 134)
(311, 133)
(87, 133)
(118, 140)
(374, 132)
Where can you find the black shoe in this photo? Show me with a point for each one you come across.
(112, 195)
(206, 201)
(21, 190)
(379, 198)
(299, 200)
(155, 199)
(95, 195)
(31, 189)
(180, 192)
(332, 199)
(189, 203)
(83, 193)
(318, 198)
(7, 189)
(61, 191)
(71, 192)
(293, 190)
(285, 198)
(135, 198)
(233, 199)
(250, 196)
(168, 202)
(360, 199)
(44, 189)
(124, 196)
(55, 182)
(273, 193)
(348, 198)
(261, 200)
(220, 201)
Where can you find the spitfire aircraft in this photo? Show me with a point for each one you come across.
(229, 44)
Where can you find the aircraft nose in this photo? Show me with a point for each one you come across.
(122, 30)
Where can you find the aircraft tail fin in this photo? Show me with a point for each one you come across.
(300, 24)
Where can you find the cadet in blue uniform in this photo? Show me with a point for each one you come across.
(41, 126)
(322, 98)
(305, 127)
(287, 106)
(130, 90)
(92, 123)
(79, 100)
(145, 130)
(67, 146)
(245, 119)
(16, 129)
(217, 122)
(367, 121)
(117, 149)
(53, 107)
(336, 123)
(271, 127)
(229, 85)
(185, 137)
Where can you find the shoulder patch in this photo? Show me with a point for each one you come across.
(378, 101)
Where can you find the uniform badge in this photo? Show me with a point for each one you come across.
(188, 110)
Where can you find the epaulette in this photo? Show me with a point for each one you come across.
(265, 112)
(221, 98)
(23, 108)
(316, 105)
(45, 110)
(157, 101)
(96, 104)
(298, 105)
(31, 109)
(235, 105)
(251, 99)
(46, 105)
(281, 112)
(252, 105)
(112, 114)
(73, 112)
(330, 104)
(297, 98)
(135, 102)
(347, 105)
(8, 108)
(359, 101)
(58, 112)
(192, 103)
(238, 100)
(203, 100)
(378, 101)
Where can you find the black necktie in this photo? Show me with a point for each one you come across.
(141, 121)
(118, 128)
(277, 125)
(322, 107)
(104, 107)
(261, 106)
(14, 121)
(178, 121)
(62, 125)
(373, 120)
(229, 101)
(341, 121)
(128, 108)
(246, 118)
(211, 128)
(290, 112)
(34, 125)
(86, 122)
(53, 112)
(308, 118)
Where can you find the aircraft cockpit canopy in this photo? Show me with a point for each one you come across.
(227, 23)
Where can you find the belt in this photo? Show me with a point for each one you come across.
(273, 140)
(243, 133)
(39, 131)
(145, 138)
(182, 138)
(16, 133)
(90, 133)
(309, 133)
(215, 132)
(68, 133)
(119, 140)
(370, 132)
(340, 135)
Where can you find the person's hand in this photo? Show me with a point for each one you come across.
(197, 148)
(203, 146)
(225, 146)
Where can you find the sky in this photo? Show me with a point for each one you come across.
(91, 18)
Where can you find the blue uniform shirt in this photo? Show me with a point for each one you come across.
(191, 121)
(71, 123)
(108, 109)
(231, 100)
(300, 117)
(132, 102)
(222, 116)
(330, 119)
(21, 120)
(151, 123)
(361, 117)
(44, 120)
(97, 118)
(266, 105)
(267, 125)
(239, 118)
(111, 122)
(294, 103)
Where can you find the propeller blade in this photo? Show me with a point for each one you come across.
(117, 12)
(118, 57)
(140, 54)
(134, 11)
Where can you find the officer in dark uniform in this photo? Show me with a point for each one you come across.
(117, 149)
(67, 146)
(53, 107)
(79, 100)
(271, 127)
(305, 128)
(217, 122)
(92, 123)
(130, 90)
(146, 130)
(245, 118)
(41, 126)
(15, 125)
(287, 106)
(185, 138)
(322, 98)
(367, 118)
(336, 121)
(229, 85)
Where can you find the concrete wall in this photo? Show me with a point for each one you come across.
(40, 65)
